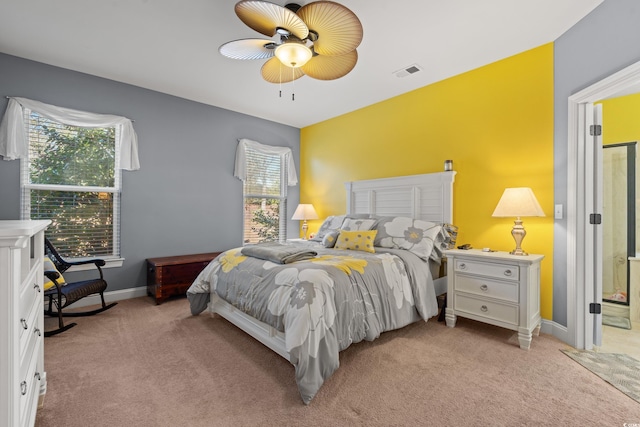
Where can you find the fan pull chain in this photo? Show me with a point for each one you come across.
(280, 69)
(293, 76)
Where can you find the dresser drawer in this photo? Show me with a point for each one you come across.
(30, 293)
(29, 389)
(33, 342)
(29, 328)
(499, 271)
(502, 312)
(491, 288)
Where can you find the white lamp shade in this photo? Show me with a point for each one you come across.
(305, 211)
(518, 202)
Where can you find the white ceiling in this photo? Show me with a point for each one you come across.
(172, 46)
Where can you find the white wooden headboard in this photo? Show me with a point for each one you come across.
(427, 197)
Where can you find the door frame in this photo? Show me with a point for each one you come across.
(580, 324)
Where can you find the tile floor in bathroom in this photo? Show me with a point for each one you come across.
(617, 340)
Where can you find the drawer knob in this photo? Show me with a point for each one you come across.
(484, 288)
(508, 273)
(36, 287)
(484, 308)
(37, 331)
(23, 388)
(463, 266)
(24, 324)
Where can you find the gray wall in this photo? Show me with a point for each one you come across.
(604, 42)
(184, 199)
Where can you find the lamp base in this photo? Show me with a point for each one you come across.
(518, 234)
(305, 227)
(517, 251)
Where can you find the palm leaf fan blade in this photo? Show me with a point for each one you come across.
(339, 29)
(330, 67)
(247, 49)
(266, 18)
(275, 71)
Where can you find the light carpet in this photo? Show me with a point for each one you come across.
(620, 370)
(141, 364)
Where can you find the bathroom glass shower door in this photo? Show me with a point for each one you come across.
(618, 220)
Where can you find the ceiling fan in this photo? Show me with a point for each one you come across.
(318, 39)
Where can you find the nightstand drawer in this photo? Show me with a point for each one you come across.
(484, 287)
(499, 271)
(506, 313)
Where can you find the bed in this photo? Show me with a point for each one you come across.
(381, 275)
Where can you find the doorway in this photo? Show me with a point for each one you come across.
(583, 256)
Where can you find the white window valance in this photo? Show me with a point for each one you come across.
(14, 143)
(284, 152)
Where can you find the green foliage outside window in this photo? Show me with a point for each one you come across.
(267, 221)
(60, 155)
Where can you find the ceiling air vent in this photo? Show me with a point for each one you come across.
(411, 69)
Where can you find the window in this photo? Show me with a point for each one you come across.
(265, 202)
(266, 173)
(70, 172)
(71, 176)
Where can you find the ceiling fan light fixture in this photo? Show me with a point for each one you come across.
(293, 54)
(318, 39)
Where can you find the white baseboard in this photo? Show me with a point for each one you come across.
(111, 296)
(552, 328)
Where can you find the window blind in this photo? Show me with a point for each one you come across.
(265, 202)
(71, 176)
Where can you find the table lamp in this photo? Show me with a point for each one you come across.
(518, 202)
(303, 212)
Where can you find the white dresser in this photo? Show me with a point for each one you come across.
(22, 378)
(496, 288)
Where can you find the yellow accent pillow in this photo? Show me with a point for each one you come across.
(50, 266)
(357, 240)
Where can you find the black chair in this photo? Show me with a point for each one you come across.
(63, 296)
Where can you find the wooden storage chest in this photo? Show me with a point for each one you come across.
(169, 276)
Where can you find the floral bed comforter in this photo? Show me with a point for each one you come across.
(322, 305)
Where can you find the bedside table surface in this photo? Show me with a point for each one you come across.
(494, 255)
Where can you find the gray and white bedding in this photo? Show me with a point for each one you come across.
(323, 304)
(278, 252)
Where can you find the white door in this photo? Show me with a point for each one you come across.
(593, 226)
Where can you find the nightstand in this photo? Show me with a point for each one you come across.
(495, 288)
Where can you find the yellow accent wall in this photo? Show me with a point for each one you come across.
(621, 119)
(494, 122)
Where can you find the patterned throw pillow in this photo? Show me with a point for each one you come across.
(446, 239)
(329, 239)
(331, 223)
(414, 235)
(358, 224)
(50, 266)
(451, 232)
(357, 240)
